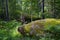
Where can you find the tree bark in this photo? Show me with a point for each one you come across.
(7, 14)
(3, 9)
(43, 17)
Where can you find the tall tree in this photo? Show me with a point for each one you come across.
(3, 9)
(43, 9)
(7, 14)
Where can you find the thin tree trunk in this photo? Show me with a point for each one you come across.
(7, 14)
(31, 11)
(54, 16)
(43, 9)
(3, 9)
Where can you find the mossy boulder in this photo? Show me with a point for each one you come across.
(40, 26)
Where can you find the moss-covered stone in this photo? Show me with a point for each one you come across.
(38, 27)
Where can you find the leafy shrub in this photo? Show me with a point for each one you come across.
(8, 30)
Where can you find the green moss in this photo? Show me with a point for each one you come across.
(44, 24)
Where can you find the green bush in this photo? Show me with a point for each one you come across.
(8, 30)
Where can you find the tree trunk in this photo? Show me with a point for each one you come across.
(7, 14)
(3, 9)
(43, 9)
(54, 16)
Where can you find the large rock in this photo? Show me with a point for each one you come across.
(40, 26)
